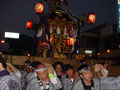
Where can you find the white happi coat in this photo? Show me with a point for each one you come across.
(79, 85)
(10, 82)
(34, 85)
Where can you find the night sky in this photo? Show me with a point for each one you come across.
(15, 13)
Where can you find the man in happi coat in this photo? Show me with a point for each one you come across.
(31, 75)
(7, 81)
(86, 82)
(69, 78)
(24, 73)
(107, 83)
(45, 80)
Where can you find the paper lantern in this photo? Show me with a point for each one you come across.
(39, 7)
(29, 25)
(42, 43)
(91, 18)
(108, 51)
(70, 41)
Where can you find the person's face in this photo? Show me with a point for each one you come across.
(27, 68)
(30, 70)
(20, 68)
(69, 72)
(1, 67)
(42, 74)
(58, 68)
(86, 75)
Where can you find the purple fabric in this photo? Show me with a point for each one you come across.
(4, 73)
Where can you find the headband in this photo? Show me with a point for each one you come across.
(84, 69)
(38, 70)
(27, 64)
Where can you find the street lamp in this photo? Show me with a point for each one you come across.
(2, 41)
(118, 46)
(90, 55)
(98, 54)
(83, 56)
(28, 55)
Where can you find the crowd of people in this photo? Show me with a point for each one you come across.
(43, 76)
